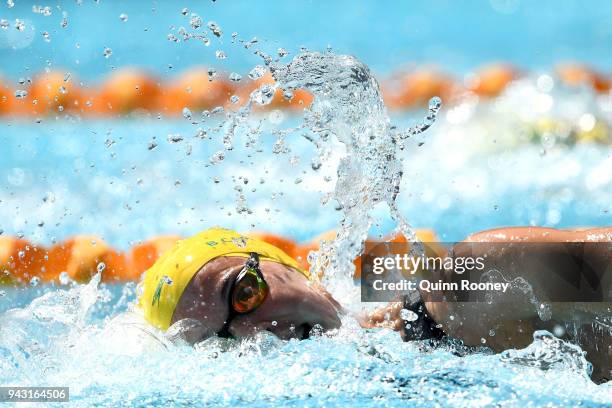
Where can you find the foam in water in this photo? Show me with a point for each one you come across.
(57, 340)
(548, 352)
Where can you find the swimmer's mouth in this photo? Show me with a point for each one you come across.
(305, 329)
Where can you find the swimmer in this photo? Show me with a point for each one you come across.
(226, 284)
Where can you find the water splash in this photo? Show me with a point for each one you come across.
(548, 352)
(347, 108)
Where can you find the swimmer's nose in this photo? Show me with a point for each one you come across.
(295, 315)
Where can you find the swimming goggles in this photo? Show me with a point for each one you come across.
(247, 293)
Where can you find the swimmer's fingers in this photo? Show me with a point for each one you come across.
(385, 317)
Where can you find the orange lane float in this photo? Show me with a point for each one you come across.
(575, 74)
(20, 260)
(128, 90)
(54, 92)
(416, 88)
(125, 91)
(82, 257)
(143, 256)
(194, 90)
(490, 81)
(6, 98)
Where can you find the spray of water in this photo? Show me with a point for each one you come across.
(347, 108)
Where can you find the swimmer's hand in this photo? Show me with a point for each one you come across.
(410, 319)
(387, 317)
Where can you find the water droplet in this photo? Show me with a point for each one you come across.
(185, 11)
(46, 36)
(282, 52)
(214, 27)
(21, 254)
(408, 315)
(168, 280)
(64, 22)
(195, 22)
(257, 72)
(101, 266)
(288, 95)
(187, 113)
(175, 138)
(4, 24)
(217, 157)
(19, 25)
(107, 52)
(10, 3)
(435, 102)
(220, 55)
(483, 340)
(235, 77)
(240, 242)
(34, 281)
(559, 330)
(276, 117)
(274, 323)
(21, 93)
(123, 17)
(234, 99)
(491, 332)
(263, 95)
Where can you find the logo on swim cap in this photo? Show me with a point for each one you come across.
(156, 296)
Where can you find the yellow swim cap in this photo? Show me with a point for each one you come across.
(165, 282)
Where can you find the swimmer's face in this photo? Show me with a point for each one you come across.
(293, 305)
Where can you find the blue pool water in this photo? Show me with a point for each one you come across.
(62, 178)
(456, 36)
